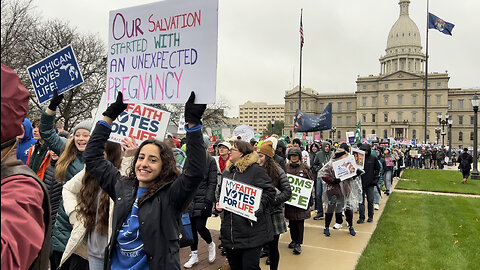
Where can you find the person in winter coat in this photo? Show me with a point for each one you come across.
(321, 158)
(390, 164)
(279, 156)
(26, 140)
(38, 154)
(369, 182)
(201, 209)
(465, 161)
(243, 238)
(296, 216)
(338, 193)
(89, 210)
(69, 164)
(314, 148)
(283, 194)
(150, 200)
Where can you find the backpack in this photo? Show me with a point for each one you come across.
(17, 167)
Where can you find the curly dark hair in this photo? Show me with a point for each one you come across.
(87, 203)
(272, 170)
(168, 173)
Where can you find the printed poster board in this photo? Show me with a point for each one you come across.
(160, 52)
(59, 71)
(301, 191)
(345, 168)
(140, 121)
(359, 156)
(389, 161)
(240, 198)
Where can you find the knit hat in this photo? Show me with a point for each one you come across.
(295, 151)
(85, 124)
(274, 142)
(339, 152)
(14, 104)
(267, 149)
(226, 144)
(206, 141)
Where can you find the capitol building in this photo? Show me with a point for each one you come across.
(391, 104)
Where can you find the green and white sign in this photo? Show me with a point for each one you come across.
(301, 191)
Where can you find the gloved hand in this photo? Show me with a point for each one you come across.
(193, 112)
(116, 108)
(336, 180)
(55, 101)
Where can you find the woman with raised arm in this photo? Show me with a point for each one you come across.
(150, 200)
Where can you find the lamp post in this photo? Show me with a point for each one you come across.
(449, 154)
(273, 123)
(437, 131)
(333, 130)
(475, 104)
(443, 122)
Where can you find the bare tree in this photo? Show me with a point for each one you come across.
(26, 39)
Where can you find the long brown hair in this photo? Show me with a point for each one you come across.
(169, 170)
(272, 170)
(68, 156)
(87, 203)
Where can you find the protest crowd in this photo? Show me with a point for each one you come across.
(79, 201)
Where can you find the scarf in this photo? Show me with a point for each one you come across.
(222, 163)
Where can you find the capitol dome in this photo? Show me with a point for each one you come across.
(404, 47)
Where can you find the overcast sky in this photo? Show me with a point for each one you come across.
(258, 42)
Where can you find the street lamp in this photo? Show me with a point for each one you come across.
(475, 104)
(273, 122)
(437, 131)
(443, 122)
(333, 130)
(449, 154)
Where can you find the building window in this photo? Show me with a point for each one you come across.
(460, 136)
(400, 85)
(364, 118)
(373, 117)
(339, 106)
(385, 100)
(385, 117)
(439, 99)
(364, 101)
(414, 134)
(471, 120)
(321, 106)
(307, 105)
(374, 87)
(339, 120)
(428, 84)
(373, 131)
(428, 100)
(399, 116)
(400, 99)
(414, 117)
(349, 106)
(414, 84)
(339, 135)
(291, 106)
(460, 120)
(414, 99)
(364, 87)
(349, 120)
(386, 86)
(428, 135)
(385, 133)
(374, 101)
(428, 117)
(363, 134)
(450, 104)
(471, 136)
(460, 103)
(438, 84)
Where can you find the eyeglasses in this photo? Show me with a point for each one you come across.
(233, 149)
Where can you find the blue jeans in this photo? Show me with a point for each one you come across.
(95, 263)
(369, 191)
(318, 197)
(388, 179)
(376, 196)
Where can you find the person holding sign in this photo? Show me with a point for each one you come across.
(338, 193)
(283, 193)
(241, 237)
(150, 200)
(296, 216)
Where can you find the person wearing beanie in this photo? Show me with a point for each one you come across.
(465, 161)
(70, 163)
(321, 158)
(340, 195)
(296, 216)
(25, 218)
(283, 194)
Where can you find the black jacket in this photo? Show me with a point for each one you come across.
(54, 188)
(241, 233)
(205, 195)
(159, 214)
(280, 160)
(372, 171)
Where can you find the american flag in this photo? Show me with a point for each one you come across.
(301, 33)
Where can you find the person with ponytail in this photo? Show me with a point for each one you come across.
(70, 162)
(149, 201)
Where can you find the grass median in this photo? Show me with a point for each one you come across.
(437, 180)
(420, 231)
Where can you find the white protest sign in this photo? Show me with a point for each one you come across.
(301, 191)
(139, 121)
(345, 168)
(240, 198)
(359, 156)
(160, 52)
(245, 132)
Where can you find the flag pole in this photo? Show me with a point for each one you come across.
(426, 79)
(301, 47)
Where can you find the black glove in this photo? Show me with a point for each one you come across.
(336, 180)
(116, 108)
(193, 112)
(359, 172)
(55, 101)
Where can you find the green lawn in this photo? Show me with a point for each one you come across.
(437, 180)
(419, 231)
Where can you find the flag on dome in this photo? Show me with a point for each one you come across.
(436, 23)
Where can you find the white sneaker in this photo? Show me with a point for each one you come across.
(376, 206)
(193, 260)
(211, 252)
(337, 226)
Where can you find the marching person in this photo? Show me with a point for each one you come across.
(321, 158)
(150, 200)
(242, 238)
(38, 154)
(369, 182)
(465, 161)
